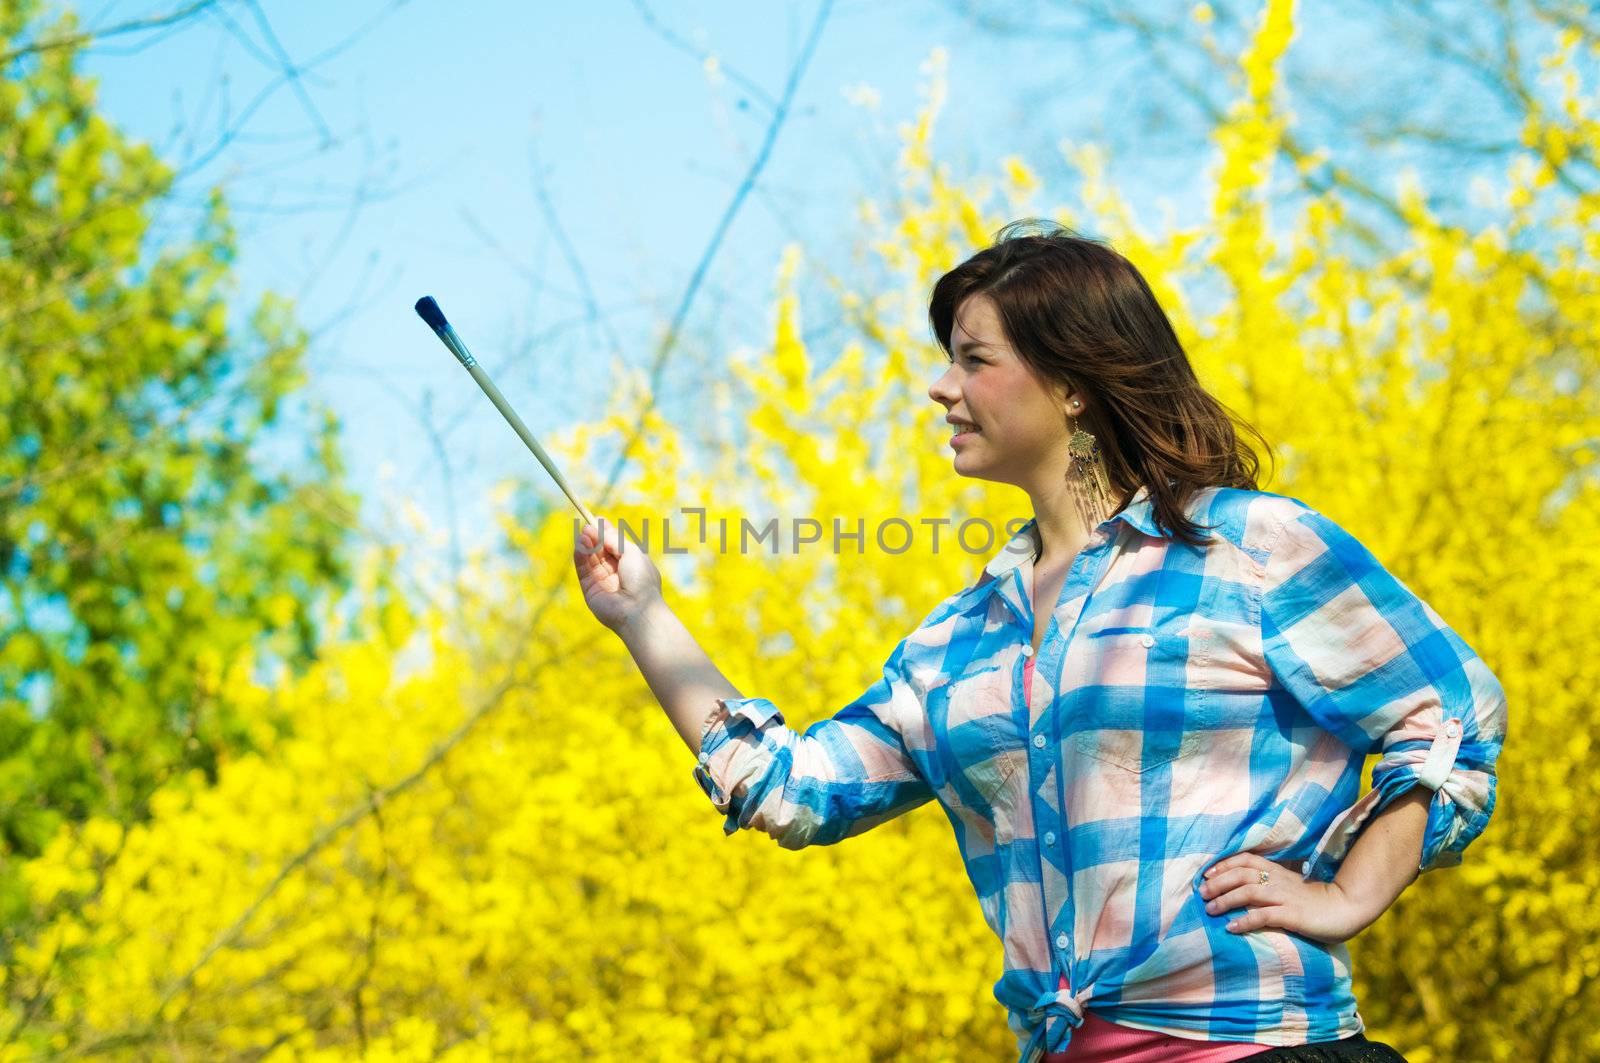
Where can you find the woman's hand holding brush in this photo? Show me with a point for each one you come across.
(618, 578)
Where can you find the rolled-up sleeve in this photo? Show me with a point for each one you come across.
(843, 776)
(1375, 665)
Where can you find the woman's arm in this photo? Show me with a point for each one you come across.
(1377, 667)
(1380, 669)
(844, 775)
(1385, 858)
(679, 673)
(622, 587)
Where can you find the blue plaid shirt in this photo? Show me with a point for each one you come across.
(1187, 704)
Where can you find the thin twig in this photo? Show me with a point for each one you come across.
(137, 25)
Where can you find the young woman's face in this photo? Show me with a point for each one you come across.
(1021, 424)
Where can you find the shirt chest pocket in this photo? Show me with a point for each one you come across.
(1137, 706)
(981, 733)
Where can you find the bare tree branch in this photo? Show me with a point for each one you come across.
(670, 338)
(85, 37)
(290, 70)
(701, 55)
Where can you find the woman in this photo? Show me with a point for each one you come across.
(1146, 720)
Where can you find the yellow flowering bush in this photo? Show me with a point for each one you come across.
(499, 852)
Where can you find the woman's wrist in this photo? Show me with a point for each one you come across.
(641, 620)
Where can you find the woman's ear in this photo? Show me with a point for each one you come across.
(1068, 399)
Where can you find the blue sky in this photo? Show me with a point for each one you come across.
(437, 116)
(439, 113)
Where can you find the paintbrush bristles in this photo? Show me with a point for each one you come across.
(429, 311)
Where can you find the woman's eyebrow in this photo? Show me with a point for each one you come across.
(969, 344)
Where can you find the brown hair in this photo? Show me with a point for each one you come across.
(1080, 314)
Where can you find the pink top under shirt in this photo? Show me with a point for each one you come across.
(1099, 1041)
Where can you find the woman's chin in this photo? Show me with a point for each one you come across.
(974, 467)
(967, 465)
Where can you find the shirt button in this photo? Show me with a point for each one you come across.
(1061, 941)
(1049, 837)
(1452, 729)
(1147, 640)
(1038, 741)
(1027, 650)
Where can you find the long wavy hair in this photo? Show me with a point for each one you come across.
(1078, 313)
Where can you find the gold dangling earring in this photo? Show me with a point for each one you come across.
(1089, 465)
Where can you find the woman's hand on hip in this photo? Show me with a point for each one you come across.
(1321, 911)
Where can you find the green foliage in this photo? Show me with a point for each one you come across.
(143, 542)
